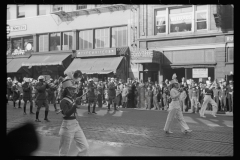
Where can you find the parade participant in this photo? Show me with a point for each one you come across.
(149, 82)
(208, 82)
(165, 96)
(208, 99)
(194, 96)
(223, 98)
(111, 94)
(52, 90)
(167, 82)
(124, 96)
(70, 128)
(41, 99)
(100, 94)
(148, 97)
(230, 96)
(175, 110)
(216, 95)
(16, 94)
(9, 88)
(182, 99)
(155, 97)
(27, 95)
(59, 90)
(91, 96)
(34, 92)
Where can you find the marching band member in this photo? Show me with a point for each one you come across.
(91, 96)
(41, 97)
(175, 110)
(70, 128)
(27, 95)
(16, 94)
(111, 94)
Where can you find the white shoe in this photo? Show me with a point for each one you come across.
(203, 116)
(168, 132)
(214, 116)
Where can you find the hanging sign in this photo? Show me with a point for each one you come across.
(200, 72)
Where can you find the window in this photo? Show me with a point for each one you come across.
(27, 40)
(86, 39)
(67, 40)
(57, 8)
(42, 9)
(55, 42)
(230, 55)
(201, 17)
(119, 36)
(43, 43)
(8, 14)
(81, 7)
(17, 44)
(102, 38)
(181, 19)
(160, 26)
(20, 11)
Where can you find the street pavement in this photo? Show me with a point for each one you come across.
(133, 132)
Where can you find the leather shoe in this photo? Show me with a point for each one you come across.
(168, 132)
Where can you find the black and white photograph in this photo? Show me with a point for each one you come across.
(120, 80)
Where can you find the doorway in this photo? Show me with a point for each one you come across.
(145, 74)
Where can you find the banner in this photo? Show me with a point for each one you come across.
(200, 72)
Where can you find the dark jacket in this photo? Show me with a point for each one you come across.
(27, 91)
(68, 109)
(111, 90)
(41, 90)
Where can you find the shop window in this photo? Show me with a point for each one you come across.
(230, 54)
(42, 10)
(26, 41)
(102, 38)
(20, 11)
(43, 43)
(17, 44)
(67, 40)
(201, 17)
(55, 42)
(79, 7)
(160, 26)
(119, 36)
(85, 39)
(181, 19)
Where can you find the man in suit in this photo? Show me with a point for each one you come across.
(111, 94)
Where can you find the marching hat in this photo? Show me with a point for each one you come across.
(40, 77)
(68, 83)
(90, 80)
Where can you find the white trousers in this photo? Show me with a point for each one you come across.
(175, 111)
(70, 130)
(208, 99)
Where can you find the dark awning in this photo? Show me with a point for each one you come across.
(15, 64)
(95, 65)
(45, 60)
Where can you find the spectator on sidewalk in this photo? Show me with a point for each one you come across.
(91, 96)
(182, 99)
(155, 90)
(230, 96)
(216, 95)
(141, 94)
(112, 94)
(16, 94)
(165, 95)
(125, 96)
(194, 96)
(148, 97)
(223, 98)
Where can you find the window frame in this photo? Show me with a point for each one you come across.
(227, 57)
(83, 43)
(60, 49)
(207, 18)
(81, 8)
(38, 11)
(62, 39)
(155, 20)
(22, 16)
(111, 34)
(38, 46)
(109, 37)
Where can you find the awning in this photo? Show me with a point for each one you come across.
(45, 60)
(15, 64)
(95, 65)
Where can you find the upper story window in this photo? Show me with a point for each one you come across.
(86, 39)
(57, 8)
(43, 43)
(181, 19)
(20, 11)
(67, 40)
(79, 7)
(230, 54)
(26, 41)
(201, 17)
(8, 13)
(17, 44)
(55, 41)
(42, 10)
(160, 26)
(102, 38)
(119, 36)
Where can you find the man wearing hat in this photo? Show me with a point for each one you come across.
(27, 95)
(41, 98)
(175, 110)
(9, 87)
(208, 99)
(16, 94)
(111, 89)
(92, 97)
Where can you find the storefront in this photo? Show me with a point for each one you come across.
(102, 63)
(148, 64)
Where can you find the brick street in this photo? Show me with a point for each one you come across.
(133, 127)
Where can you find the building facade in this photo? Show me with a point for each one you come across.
(64, 37)
(194, 41)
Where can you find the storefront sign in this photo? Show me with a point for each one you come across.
(229, 38)
(200, 72)
(96, 52)
(145, 56)
(18, 28)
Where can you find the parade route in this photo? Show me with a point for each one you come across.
(133, 132)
